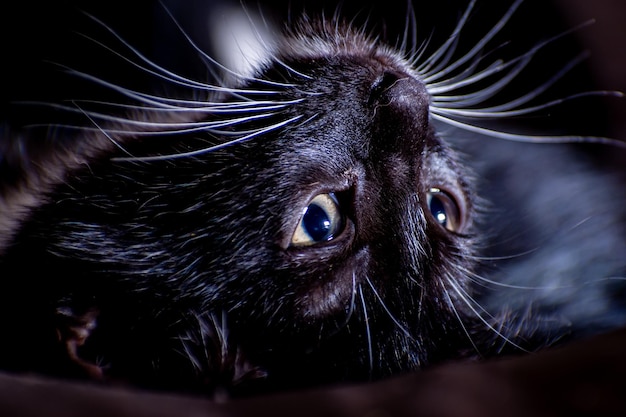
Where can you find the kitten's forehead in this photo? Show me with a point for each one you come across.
(316, 38)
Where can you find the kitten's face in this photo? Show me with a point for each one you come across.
(336, 239)
(360, 210)
(305, 224)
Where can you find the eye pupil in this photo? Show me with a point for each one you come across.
(438, 210)
(316, 223)
(445, 210)
(321, 221)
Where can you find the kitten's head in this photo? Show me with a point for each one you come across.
(313, 203)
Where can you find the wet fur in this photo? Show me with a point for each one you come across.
(176, 238)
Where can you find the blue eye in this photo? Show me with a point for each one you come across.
(444, 209)
(320, 222)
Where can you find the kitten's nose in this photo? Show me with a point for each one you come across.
(400, 103)
(395, 86)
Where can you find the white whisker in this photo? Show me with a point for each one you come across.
(214, 148)
(482, 280)
(519, 63)
(500, 258)
(429, 76)
(471, 69)
(409, 25)
(389, 314)
(486, 113)
(245, 108)
(426, 67)
(462, 110)
(106, 134)
(352, 298)
(541, 88)
(204, 107)
(437, 89)
(367, 330)
(445, 59)
(460, 320)
(519, 137)
(471, 303)
(418, 52)
(162, 100)
(214, 62)
(160, 72)
(194, 125)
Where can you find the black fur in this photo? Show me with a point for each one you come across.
(186, 262)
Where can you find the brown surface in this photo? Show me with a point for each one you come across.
(585, 378)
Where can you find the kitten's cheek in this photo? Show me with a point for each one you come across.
(334, 294)
(336, 269)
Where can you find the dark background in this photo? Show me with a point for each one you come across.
(35, 35)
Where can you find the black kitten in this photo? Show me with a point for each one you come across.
(299, 222)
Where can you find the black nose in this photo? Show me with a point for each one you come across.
(400, 103)
(380, 88)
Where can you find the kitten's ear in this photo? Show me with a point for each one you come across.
(243, 41)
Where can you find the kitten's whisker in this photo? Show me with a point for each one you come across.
(438, 89)
(158, 100)
(158, 71)
(221, 66)
(479, 279)
(482, 95)
(426, 67)
(391, 316)
(352, 300)
(214, 148)
(274, 58)
(444, 60)
(466, 73)
(162, 132)
(446, 85)
(540, 89)
(471, 303)
(478, 47)
(245, 108)
(487, 114)
(460, 320)
(418, 52)
(204, 107)
(195, 125)
(410, 24)
(105, 133)
(370, 349)
(499, 258)
(519, 137)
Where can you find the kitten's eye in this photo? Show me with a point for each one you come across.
(444, 209)
(321, 221)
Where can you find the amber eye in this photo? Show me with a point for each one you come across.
(445, 209)
(321, 221)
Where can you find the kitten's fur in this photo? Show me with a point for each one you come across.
(140, 251)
